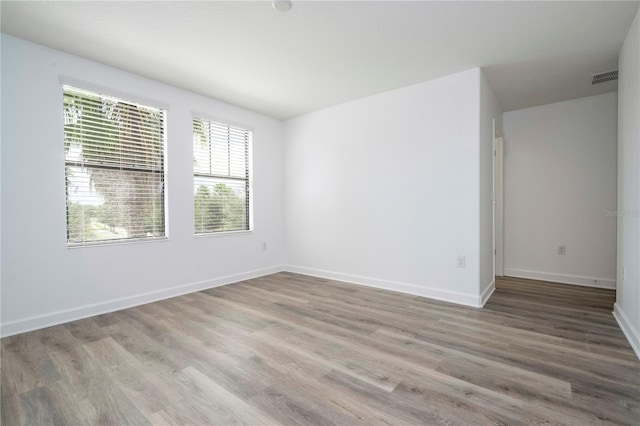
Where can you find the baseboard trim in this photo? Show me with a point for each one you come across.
(23, 325)
(486, 294)
(428, 292)
(561, 278)
(632, 335)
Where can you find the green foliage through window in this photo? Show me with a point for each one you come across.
(221, 177)
(114, 164)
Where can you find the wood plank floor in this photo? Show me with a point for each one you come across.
(291, 349)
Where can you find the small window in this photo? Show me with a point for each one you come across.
(221, 177)
(114, 167)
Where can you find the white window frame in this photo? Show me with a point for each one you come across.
(248, 175)
(68, 83)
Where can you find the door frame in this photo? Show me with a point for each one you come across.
(498, 202)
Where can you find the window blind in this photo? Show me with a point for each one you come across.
(114, 168)
(222, 169)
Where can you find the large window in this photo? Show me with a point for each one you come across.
(222, 177)
(114, 162)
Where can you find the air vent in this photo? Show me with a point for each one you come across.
(604, 76)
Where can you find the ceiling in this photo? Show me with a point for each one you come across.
(320, 54)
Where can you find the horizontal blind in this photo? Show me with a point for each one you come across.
(114, 167)
(221, 164)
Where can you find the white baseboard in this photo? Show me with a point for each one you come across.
(630, 332)
(429, 292)
(486, 294)
(562, 278)
(23, 325)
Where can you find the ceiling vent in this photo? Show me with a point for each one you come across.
(604, 76)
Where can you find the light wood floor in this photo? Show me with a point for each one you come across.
(290, 349)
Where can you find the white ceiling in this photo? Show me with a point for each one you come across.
(323, 53)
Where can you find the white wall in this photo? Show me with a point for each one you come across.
(559, 179)
(44, 282)
(383, 191)
(489, 110)
(627, 308)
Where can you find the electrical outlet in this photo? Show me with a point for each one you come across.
(624, 274)
(562, 250)
(264, 246)
(462, 262)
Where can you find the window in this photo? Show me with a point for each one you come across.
(114, 168)
(221, 177)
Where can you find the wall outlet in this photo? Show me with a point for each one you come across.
(264, 246)
(624, 274)
(562, 250)
(462, 262)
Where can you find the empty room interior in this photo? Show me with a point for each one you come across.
(320, 212)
